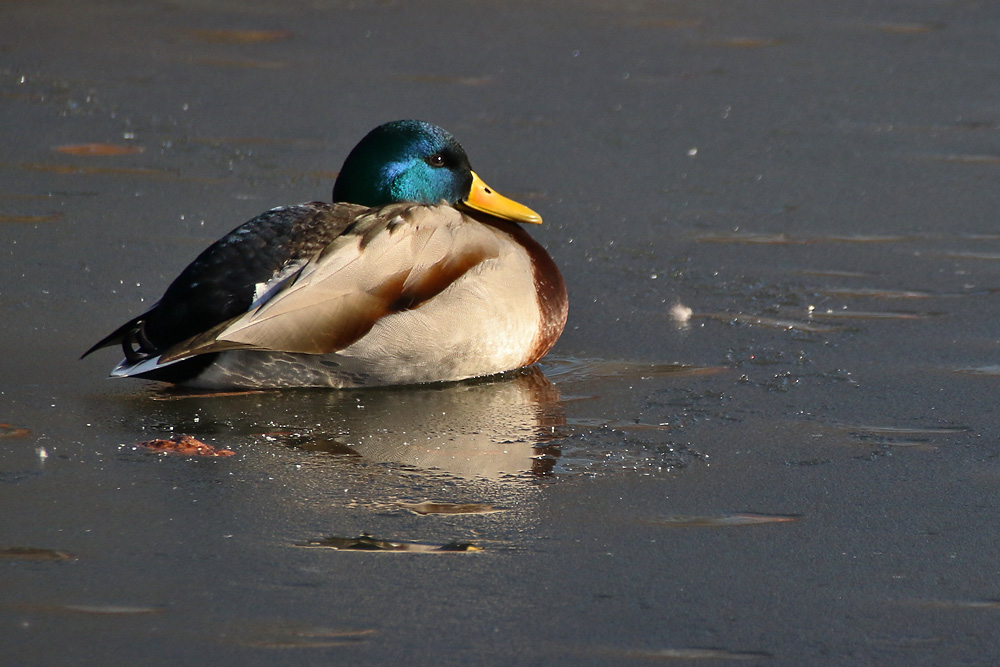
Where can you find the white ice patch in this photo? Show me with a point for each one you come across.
(681, 313)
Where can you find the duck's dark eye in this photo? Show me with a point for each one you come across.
(436, 160)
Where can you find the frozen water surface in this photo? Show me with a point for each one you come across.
(769, 434)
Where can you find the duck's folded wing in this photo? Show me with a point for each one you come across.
(225, 280)
(393, 259)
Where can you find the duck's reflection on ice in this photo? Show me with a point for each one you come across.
(492, 429)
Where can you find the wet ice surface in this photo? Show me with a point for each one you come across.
(801, 469)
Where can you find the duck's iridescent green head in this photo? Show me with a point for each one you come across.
(414, 161)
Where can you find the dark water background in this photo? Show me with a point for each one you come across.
(818, 484)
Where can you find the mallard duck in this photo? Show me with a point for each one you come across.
(417, 272)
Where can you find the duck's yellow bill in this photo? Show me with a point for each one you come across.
(484, 198)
